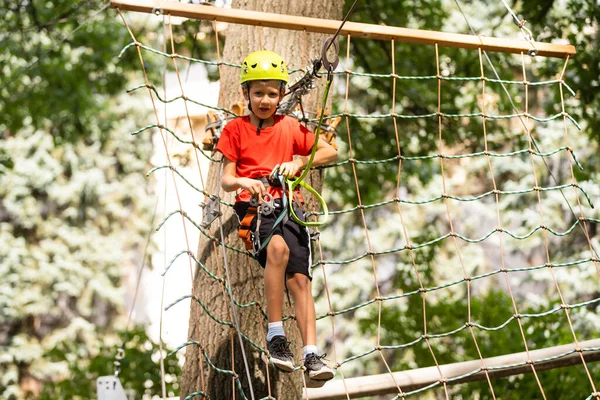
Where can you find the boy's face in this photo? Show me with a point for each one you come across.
(264, 96)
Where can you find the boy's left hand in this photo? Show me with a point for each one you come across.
(290, 169)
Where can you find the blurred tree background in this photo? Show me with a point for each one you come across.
(75, 206)
(575, 22)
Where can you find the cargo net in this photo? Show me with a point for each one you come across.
(458, 230)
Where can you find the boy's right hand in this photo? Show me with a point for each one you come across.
(254, 186)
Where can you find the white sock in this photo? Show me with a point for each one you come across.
(311, 348)
(275, 329)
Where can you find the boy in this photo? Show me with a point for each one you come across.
(252, 146)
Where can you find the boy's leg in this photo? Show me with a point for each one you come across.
(300, 287)
(277, 344)
(277, 259)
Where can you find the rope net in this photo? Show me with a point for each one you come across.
(441, 247)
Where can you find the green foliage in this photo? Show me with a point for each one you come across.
(5, 161)
(60, 66)
(62, 213)
(577, 22)
(74, 204)
(139, 367)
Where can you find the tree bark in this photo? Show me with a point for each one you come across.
(297, 48)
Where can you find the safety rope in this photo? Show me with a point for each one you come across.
(520, 23)
(292, 183)
(236, 322)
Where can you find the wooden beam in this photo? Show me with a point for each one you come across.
(355, 29)
(415, 379)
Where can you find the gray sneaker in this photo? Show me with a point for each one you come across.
(279, 354)
(317, 371)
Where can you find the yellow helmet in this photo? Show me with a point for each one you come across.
(264, 65)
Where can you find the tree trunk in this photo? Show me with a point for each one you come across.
(297, 48)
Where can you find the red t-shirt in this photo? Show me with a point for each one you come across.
(256, 155)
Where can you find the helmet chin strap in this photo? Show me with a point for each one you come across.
(260, 124)
(260, 120)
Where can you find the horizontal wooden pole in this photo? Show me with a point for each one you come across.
(415, 379)
(355, 29)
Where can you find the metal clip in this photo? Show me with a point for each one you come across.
(301, 88)
(268, 205)
(330, 65)
(274, 172)
(210, 212)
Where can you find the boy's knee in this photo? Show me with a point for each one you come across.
(300, 281)
(278, 251)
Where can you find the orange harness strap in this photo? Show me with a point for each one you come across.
(244, 231)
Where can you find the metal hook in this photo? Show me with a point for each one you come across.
(330, 65)
(118, 357)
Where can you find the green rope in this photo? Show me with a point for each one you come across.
(293, 183)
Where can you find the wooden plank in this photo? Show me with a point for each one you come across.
(415, 379)
(355, 29)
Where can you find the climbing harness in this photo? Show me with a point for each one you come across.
(245, 230)
(250, 237)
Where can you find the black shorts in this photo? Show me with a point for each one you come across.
(295, 236)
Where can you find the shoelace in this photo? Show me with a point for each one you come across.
(282, 347)
(314, 359)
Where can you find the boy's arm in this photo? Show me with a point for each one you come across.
(325, 154)
(230, 182)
